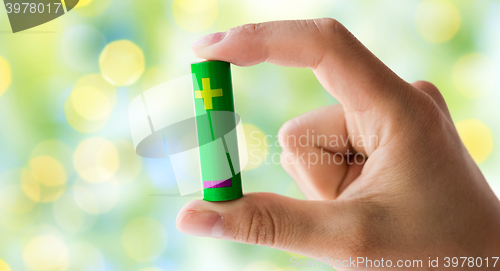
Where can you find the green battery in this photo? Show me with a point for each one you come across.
(216, 128)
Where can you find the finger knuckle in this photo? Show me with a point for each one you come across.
(332, 28)
(261, 227)
(287, 157)
(431, 90)
(420, 110)
(328, 23)
(250, 29)
(290, 130)
(428, 107)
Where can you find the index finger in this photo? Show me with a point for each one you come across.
(344, 66)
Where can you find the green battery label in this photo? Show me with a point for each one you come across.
(216, 128)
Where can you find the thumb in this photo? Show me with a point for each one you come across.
(266, 219)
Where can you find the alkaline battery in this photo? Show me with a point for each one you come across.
(216, 128)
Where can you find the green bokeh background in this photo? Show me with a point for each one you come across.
(46, 62)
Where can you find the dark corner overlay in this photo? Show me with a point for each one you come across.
(26, 14)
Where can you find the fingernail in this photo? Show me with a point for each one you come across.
(203, 223)
(208, 40)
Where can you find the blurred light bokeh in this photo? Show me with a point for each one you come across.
(75, 196)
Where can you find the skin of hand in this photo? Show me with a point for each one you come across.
(419, 194)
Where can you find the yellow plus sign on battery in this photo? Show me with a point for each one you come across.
(207, 93)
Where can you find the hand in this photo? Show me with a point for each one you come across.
(419, 194)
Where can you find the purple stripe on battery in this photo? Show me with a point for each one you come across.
(217, 184)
